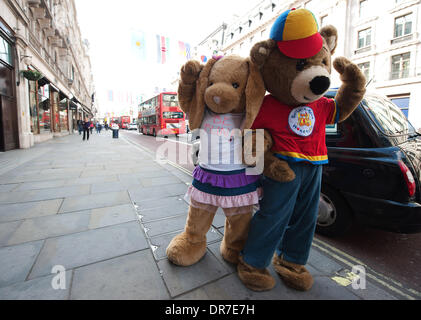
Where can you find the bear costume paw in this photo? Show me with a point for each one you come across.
(183, 252)
(293, 275)
(253, 278)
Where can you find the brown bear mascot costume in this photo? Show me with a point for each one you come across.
(295, 64)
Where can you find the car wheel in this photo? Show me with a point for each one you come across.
(335, 216)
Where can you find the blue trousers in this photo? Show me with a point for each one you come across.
(287, 218)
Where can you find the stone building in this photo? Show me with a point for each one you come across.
(381, 36)
(46, 83)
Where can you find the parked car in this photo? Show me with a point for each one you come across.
(132, 126)
(374, 171)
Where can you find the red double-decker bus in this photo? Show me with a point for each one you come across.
(115, 120)
(124, 121)
(162, 116)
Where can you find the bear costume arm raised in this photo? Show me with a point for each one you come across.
(187, 99)
(352, 90)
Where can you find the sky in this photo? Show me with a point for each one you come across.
(109, 25)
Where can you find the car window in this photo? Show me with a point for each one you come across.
(387, 116)
(331, 129)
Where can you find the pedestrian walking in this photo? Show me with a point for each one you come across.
(91, 126)
(86, 128)
(80, 126)
(106, 126)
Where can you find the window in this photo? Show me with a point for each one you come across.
(402, 103)
(72, 73)
(363, 8)
(364, 38)
(403, 25)
(33, 110)
(400, 66)
(63, 114)
(44, 108)
(365, 68)
(332, 129)
(6, 51)
(172, 115)
(170, 100)
(387, 116)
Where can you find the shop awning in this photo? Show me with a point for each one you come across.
(62, 95)
(43, 81)
(73, 106)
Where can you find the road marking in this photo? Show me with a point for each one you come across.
(335, 253)
(350, 261)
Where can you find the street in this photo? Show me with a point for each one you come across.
(391, 255)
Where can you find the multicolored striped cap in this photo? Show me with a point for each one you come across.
(296, 33)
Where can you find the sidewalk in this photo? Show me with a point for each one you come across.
(105, 210)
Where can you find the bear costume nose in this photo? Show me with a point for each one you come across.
(217, 99)
(319, 84)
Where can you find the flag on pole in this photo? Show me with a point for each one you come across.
(188, 53)
(163, 44)
(138, 44)
(184, 50)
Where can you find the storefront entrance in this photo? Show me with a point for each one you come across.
(9, 134)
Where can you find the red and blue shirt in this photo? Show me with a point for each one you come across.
(298, 133)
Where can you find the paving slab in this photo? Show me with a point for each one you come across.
(41, 185)
(44, 194)
(9, 187)
(160, 243)
(37, 289)
(38, 177)
(109, 216)
(157, 192)
(160, 203)
(16, 261)
(133, 276)
(92, 201)
(19, 211)
(159, 181)
(166, 225)
(88, 247)
(91, 180)
(231, 288)
(50, 226)
(6, 231)
(114, 186)
(214, 248)
(182, 279)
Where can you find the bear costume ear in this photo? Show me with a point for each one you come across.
(260, 52)
(255, 92)
(197, 111)
(330, 34)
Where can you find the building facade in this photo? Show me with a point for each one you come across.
(381, 36)
(46, 83)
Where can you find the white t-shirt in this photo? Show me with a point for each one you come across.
(221, 141)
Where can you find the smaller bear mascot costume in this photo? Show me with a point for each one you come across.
(221, 98)
(295, 64)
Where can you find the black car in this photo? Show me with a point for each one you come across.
(374, 171)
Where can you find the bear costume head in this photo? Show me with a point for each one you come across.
(229, 84)
(296, 61)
